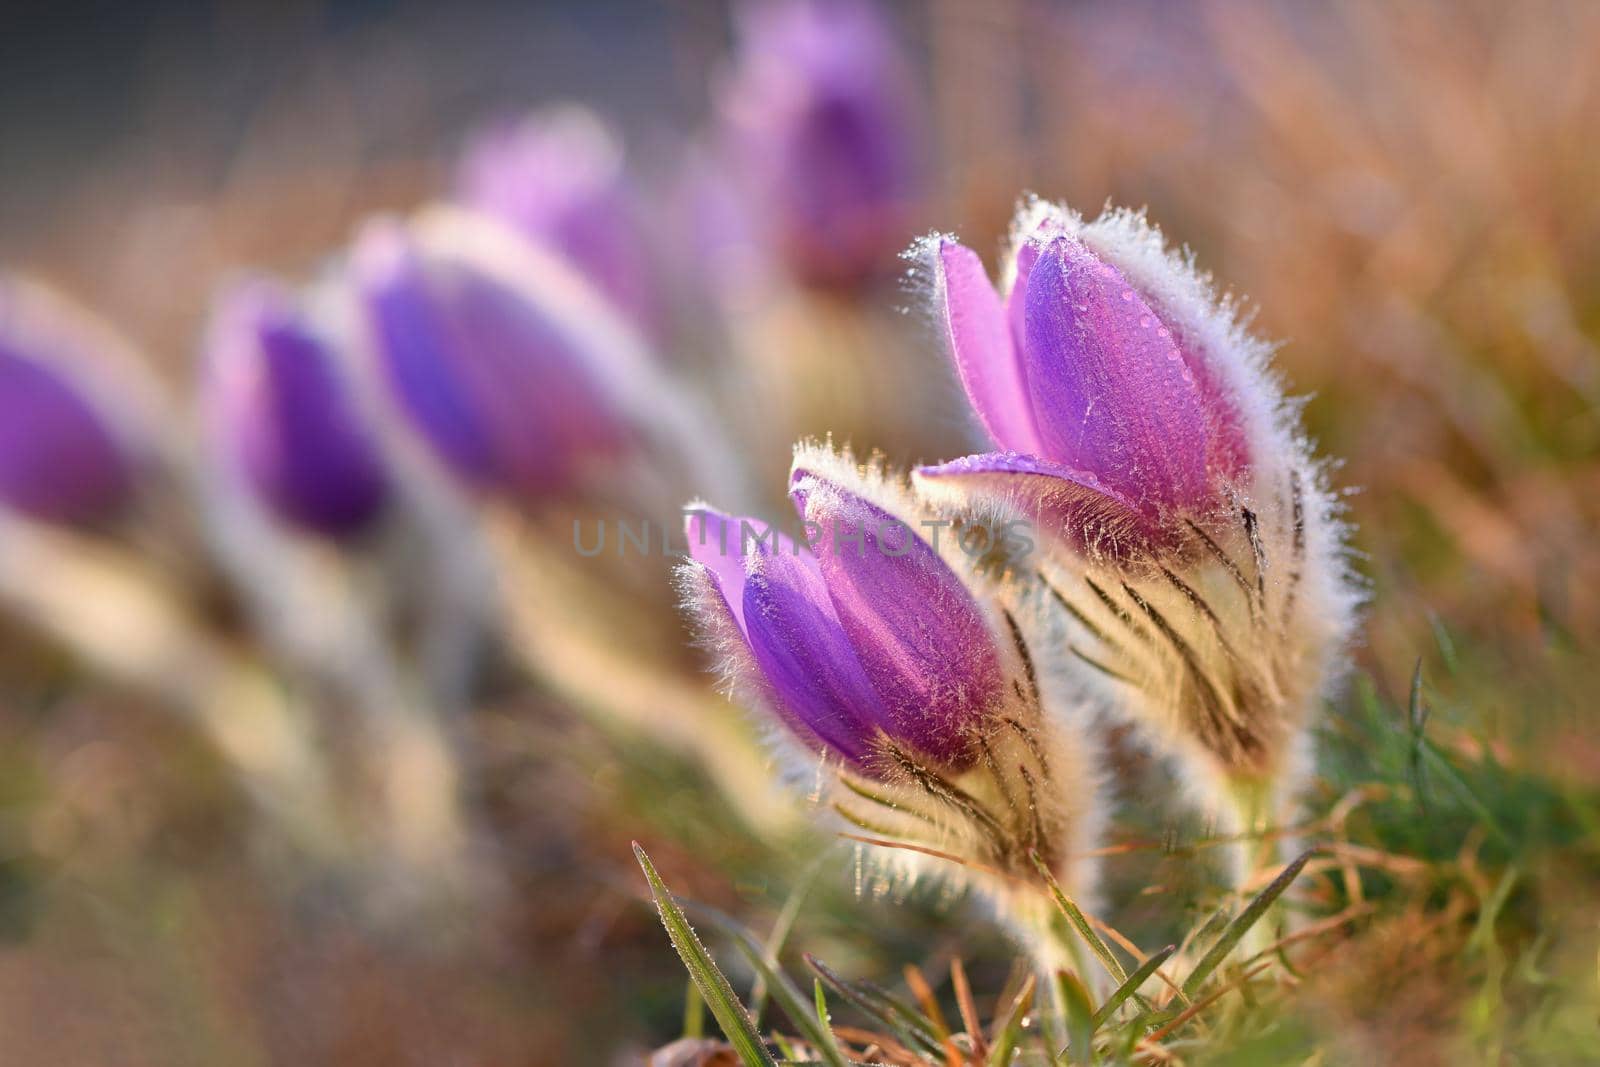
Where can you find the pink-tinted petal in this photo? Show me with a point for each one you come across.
(980, 341)
(1022, 261)
(713, 540)
(1112, 394)
(721, 543)
(1072, 505)
(1017, 300)
(1228, 449)
(923, 640)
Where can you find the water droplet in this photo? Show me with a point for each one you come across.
(1127, 294)
(1144, 321)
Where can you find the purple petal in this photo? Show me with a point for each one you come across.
(923, 640)
(60, 459)
(278, 402)
(1017, 302)
(1112, 393)
(1069, 504)
(559, 179)
(989, 363)
(412, 347)
(822, 121)
(1228, 449)
(806, 658)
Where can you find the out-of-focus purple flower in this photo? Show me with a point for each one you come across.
(870, 638)
(484, 352)
(278, 403)
(61, 459)
(559, 178)
(823, 122)
(1110, 419)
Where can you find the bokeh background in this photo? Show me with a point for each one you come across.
(1406, 196)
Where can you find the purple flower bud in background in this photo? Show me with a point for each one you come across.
(872, 637)
(823, 124)
(558, 177)
(280, 406)
(496, 355)
(1111, 417)
(61, 457)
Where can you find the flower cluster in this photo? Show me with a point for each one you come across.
(1191, 579)
(500, 352)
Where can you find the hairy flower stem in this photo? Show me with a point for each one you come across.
(1260, 819)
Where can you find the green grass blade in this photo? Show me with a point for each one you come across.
(1079, 1012)
(1127, 989)
(1441, 764)
(1079, 922)
(908, 1027)
(694, 1012)
(1247, 918)
(1417, 720)
(824, 1020)
(781, 986)
(736, 1024)
(1009, 1032)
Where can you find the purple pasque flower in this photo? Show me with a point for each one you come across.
(867, 637)
(280, 406)
(1113, 421)
(499, 357)
(874, 648)
(1191, 538)
(558, 177)
(822, 121)
(62, 456)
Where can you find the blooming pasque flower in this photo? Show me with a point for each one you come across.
(63, 457)
(1194, 544)
(279, 405)
(505, 362)
(917, 696)
(822, 119)
(558, 177)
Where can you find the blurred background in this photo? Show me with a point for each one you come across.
(1404, 195)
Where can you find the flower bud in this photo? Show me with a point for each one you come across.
(822, 119)
(500, 357)
(62, 457)
(280, 407)
(558, 178)
(1108, 413)
(916, 693)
